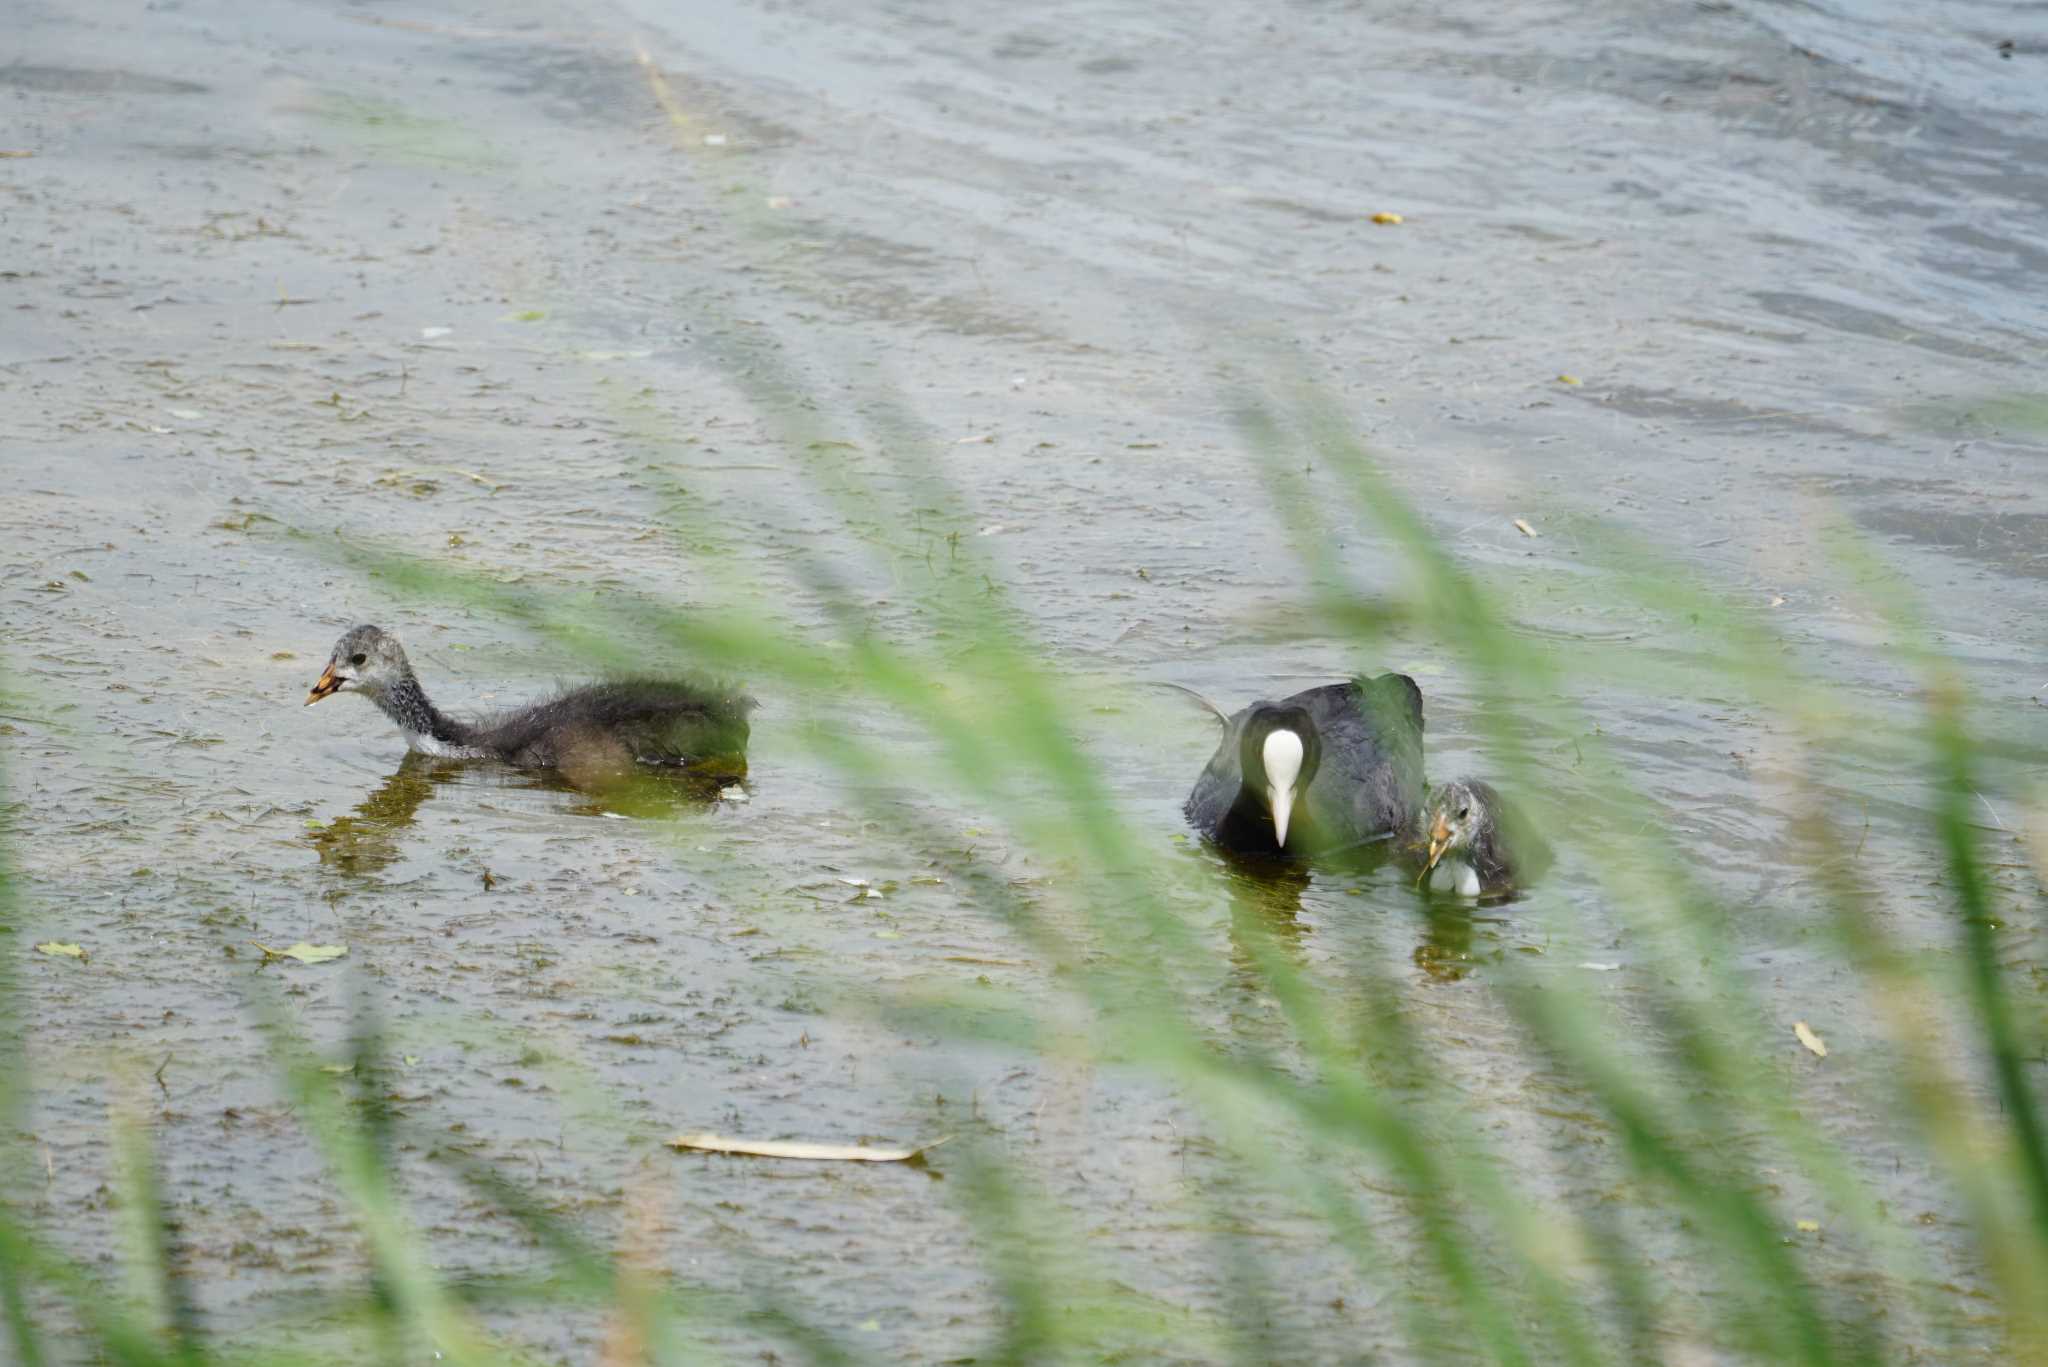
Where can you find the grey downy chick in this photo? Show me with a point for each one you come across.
(1478, 845)
(594, 732)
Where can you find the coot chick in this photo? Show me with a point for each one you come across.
(1478, 845)
(600, 731)
(1325, 770)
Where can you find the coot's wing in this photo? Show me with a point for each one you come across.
(1216, 790)
(1369, 784)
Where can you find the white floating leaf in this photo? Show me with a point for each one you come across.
(1809, 1039)
(304, 953)
(786, 1148)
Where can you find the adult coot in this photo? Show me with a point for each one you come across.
(599, 731)
(1322, 771)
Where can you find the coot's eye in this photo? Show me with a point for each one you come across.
(357, 658)
(1464, 812)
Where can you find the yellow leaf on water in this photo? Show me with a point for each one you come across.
(1809, 1226)
(304, 953)
(1809, 1039)
(780, 1148)
(1388, 218)
(67, 951)
(1524, 528)
(1570, 380)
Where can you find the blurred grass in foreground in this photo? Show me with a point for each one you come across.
(1343, 1115)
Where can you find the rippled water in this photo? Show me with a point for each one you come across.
(461, 284)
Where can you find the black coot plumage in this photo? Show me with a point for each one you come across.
(1324, 770)
(599, 731)
(1479, 846)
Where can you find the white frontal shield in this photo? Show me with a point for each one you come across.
(1282, 757)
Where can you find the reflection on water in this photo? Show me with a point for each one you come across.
(369, 839)
(1265, 893)
(1265, 908)
(1456, 938)
(1266, 928)
(1446, 949)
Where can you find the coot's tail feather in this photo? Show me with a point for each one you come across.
(1211, 708)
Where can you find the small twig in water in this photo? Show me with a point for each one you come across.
(1991, 809)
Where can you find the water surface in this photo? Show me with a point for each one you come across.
(285, 282)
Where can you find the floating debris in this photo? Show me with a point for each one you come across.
(780, 1148)
(304, 953)
(1812, 1041)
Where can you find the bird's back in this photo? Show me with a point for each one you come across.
(1369, 784)
(1369, 781)
(632, 721)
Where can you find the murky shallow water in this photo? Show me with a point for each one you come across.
(448, 282)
